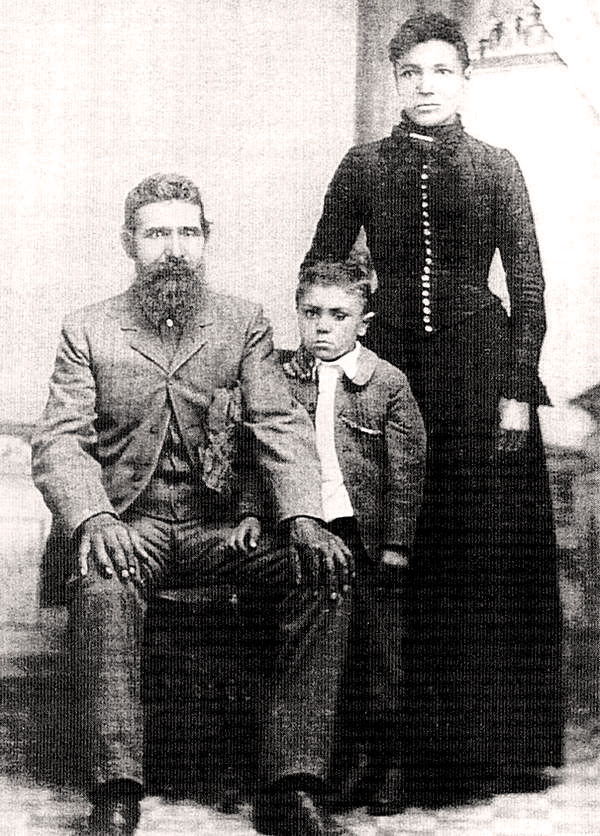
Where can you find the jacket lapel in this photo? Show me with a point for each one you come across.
(193, 339)
(367, 362)
(143, 339)
(147, 342)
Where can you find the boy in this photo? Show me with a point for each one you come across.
(371, 443)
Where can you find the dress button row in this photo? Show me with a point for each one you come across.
(425, 276)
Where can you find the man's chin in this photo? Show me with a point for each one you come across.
(170, 295)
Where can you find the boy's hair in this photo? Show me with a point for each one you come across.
(159, 187)
(433, 27)
(354, 276)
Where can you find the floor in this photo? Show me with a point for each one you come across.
(39, 774)
(37, 796)
(571, 808)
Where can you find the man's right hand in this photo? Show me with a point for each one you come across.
(322, 556)
(113, 546)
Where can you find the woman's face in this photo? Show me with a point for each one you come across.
(430, 81)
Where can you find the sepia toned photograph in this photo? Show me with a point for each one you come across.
(300, 418)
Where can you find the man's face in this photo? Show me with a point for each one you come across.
(330, 319)
(168, 246)
(166, 230)
(430, 81)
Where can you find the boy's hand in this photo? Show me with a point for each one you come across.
(397, 558)
(245, 536)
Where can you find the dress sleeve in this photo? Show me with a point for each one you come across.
(344, 211)
(518, 245)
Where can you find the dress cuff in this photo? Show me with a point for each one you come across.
(523, 384)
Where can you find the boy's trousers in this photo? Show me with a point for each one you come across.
(372, 705)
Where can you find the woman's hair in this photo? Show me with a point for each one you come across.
(353, 276)
(433, 27)
(159, 187)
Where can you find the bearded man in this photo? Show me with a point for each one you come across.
(129, 458)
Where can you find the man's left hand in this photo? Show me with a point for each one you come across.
(322, 555)
(514, 425)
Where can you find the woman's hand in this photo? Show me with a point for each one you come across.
(245, 535)
(514, 425)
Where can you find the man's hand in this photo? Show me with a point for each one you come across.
(322, 556)
(514, 425)
(245, 536)
(300, 365)
(112, 545)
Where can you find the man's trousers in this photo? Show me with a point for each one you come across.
(306, 648)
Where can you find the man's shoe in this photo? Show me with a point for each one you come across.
(292, 813)
(114, 817)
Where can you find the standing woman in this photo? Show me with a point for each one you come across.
(483, 666)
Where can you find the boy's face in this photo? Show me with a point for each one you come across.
(330, 319)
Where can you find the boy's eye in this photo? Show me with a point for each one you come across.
(340, 317)
(443, 71)
(310, 314)
(407, 73)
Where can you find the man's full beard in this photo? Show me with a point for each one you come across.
(170, 290)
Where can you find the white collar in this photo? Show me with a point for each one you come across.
(347, 362)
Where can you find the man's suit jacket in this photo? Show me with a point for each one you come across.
(380, 444)
(111, 396)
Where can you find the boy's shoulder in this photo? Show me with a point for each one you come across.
(373, 370)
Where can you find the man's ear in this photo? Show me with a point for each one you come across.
(128, 242)
(366, 321)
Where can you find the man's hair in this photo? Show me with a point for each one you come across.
(353, 276)
(159, 187)
(433, 27)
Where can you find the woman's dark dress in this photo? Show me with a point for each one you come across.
(483, 660)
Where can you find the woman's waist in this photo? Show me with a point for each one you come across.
(437, 307)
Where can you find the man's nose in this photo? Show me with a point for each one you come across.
(174, 245)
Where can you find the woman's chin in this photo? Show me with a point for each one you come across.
(430, 117)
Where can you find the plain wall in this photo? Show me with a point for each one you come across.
(254, 99)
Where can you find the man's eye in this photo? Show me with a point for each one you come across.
(191, 232)
(340, 317)
(444, 71)
(310, 314)
(407, 73)
(154, 233)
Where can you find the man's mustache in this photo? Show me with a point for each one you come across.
(170, 273)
